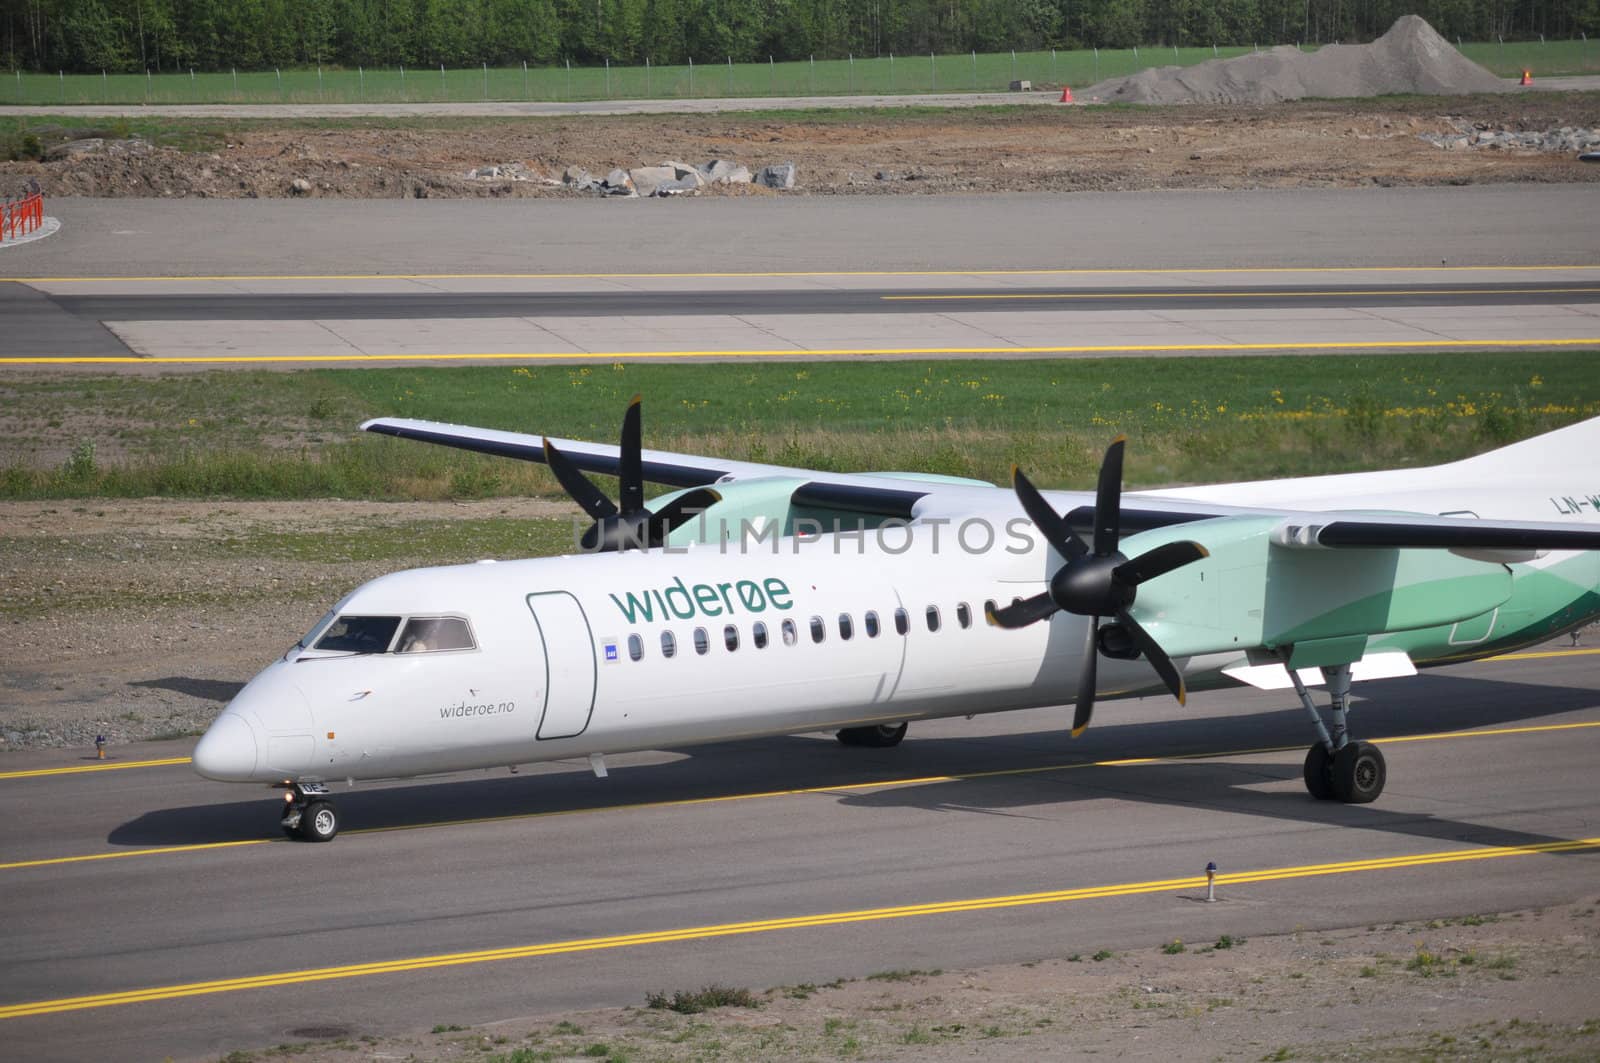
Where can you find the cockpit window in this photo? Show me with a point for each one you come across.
(426, 634)
(359, 634)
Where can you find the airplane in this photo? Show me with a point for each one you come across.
(757, 600)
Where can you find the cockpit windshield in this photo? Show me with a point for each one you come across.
(359, 634)
(426, 634)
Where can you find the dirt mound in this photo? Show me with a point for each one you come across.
(1411, 57)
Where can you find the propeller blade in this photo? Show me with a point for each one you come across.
(1158, 562)
(1024, 612)
(1086, 679)
(630, 471)
(1108, 500)
(1156, 656)
(589, 497)
(680, 510)
(1045, 518)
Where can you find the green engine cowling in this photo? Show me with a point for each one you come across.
(1253, 593)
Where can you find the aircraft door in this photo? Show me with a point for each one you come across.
(569, 664)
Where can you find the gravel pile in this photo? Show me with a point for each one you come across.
(1410, 58)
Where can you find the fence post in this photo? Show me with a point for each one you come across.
(730, 75)
(319, 81)
(933, 74)
(1013, 64)
(772, 76)
(1097, 63)
(974, 70)
(62, 74)
(235, 71)
(608, 75)
(813, 75)
(403, 95)
(278, 72)
(524, 79)
(891, 71)
(647, 76)
(852, 79)
(443, 88)
(691, 77)
(361, 83)
(569, 78)
(485, 63)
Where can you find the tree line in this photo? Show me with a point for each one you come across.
(88, 36)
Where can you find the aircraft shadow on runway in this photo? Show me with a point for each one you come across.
(218, 690)
(1425, 704)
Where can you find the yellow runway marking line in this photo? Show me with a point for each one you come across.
(797, 273)
(81, 769)
(763, 926)
(833, 788)
(1215, 294)
(811, 353)
(1542, 654)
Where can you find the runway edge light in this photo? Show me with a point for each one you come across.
(1211, 882)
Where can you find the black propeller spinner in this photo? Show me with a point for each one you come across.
(1097, 580)
(630, 525)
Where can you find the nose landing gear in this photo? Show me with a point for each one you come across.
(308, 814)
(1339, 768)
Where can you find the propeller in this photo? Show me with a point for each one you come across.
(628, 525)
(1097, 580)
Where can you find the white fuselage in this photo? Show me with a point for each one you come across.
(568, 654)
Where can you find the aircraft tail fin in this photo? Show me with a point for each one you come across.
(1553, 453)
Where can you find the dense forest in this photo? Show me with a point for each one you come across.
(157, 35)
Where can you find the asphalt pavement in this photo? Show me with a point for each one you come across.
(488, 895)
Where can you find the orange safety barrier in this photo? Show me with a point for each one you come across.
(19, 217)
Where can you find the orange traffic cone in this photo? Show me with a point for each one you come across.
(1066, 94)
(1527, 77)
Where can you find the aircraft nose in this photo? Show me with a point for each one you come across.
(227, 751)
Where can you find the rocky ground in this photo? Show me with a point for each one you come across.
(1481, 987)
(1328, 143)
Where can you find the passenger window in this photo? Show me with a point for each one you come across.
(359, 634)
(819, 630)
(730, 637)
(702, 641)
(790, 633)
(870, 623)
(635, 648)
(846, 628)
(933, 618)
(669, 645)
(963, 614)
(902, 621)
(758, 635)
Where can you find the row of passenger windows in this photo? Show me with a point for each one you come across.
(789, 633)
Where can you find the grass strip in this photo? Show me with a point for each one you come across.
(277, 435)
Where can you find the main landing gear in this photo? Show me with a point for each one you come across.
(308, 814)
(881, 736)
(1337, 767)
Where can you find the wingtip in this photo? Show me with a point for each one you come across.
(1076, 731)
(1203, 551)
(636, 400)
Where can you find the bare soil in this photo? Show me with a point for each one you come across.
(1508, 987)
(1325, 143)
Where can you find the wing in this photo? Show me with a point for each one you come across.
(894, 495)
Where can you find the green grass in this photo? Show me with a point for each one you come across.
(293, 435)
(879, 76)
(692, 1002)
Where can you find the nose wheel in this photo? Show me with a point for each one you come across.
(1338, 768)
(308, 814)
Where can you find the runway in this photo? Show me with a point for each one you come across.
(157, 913)
(703, 317)
(214, 283)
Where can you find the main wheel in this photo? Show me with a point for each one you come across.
(319, 822)
(882, 736)
(1359, 773)
(1319, 772)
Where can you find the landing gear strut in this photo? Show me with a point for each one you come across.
(1338, 768)
(308, 814)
